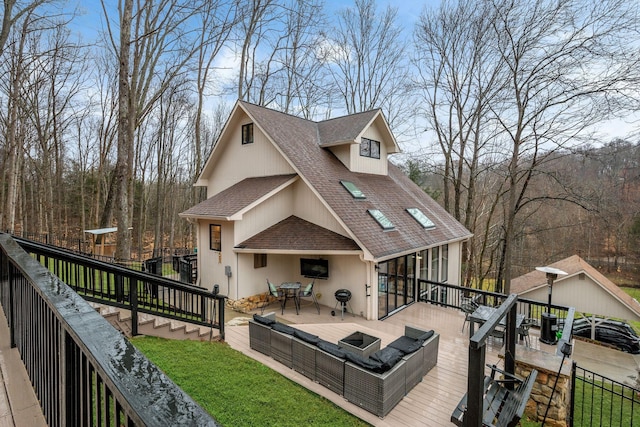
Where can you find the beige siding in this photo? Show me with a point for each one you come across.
(585, 295)
(263, 216)
(455, 267)
(366, 164)
(307, 206)
(349, 154)
(298, 200)
(343, 153)
(244, 161)
(211, 263)
(253, 281)
(344, 272)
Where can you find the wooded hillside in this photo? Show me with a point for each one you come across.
(108, 114)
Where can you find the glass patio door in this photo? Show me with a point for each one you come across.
(396, 284)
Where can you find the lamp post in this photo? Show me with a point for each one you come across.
(549, 323)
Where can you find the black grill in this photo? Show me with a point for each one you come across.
(343, 296)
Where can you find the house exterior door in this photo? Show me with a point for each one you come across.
(396, 284)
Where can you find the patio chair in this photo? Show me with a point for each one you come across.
(276, 293)
(523, 330)
(308, 293)
(468, 309)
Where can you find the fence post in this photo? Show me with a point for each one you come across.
(133, 285)
(475, 385)
(11, 314)
(572, 403)
(220, 300)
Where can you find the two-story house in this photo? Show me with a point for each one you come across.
(289, 199)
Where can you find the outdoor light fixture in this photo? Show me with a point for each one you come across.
(552, 274)
(549, 326)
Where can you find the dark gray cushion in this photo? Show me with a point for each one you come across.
(366, 363)
(263, 320)
(425, 336)
(306, 337)
(387, 357)
(332, 349)
(406, 345)
(281, 327)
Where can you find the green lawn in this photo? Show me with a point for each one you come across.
(237, 390)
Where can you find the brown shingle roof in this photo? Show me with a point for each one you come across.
(296, 234)
(298, 139)
(572, 265)
(237, 197)
(345, 128)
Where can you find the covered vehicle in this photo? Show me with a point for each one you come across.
(617, 334)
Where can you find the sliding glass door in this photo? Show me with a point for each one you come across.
(396, 284)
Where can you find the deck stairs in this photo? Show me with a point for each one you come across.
(153, 325)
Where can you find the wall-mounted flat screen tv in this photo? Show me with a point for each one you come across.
(317, 268)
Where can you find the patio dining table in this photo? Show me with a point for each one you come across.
(483, 313)
(290, 291)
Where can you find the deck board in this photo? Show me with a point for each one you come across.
(432, 401)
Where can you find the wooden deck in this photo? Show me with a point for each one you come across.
(432, 401)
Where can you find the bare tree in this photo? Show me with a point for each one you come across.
(217, 18)
(459, 77)
(55, 79)
(254, 28)
(153, 49)
(367, 60)
(569, 67)
(15, 77)
(531, 78)
(297, 82)
(22, 60)
(13, 12)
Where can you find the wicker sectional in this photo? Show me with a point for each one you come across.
(373, 388)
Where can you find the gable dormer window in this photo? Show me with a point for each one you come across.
(370, 148)
(247, 134)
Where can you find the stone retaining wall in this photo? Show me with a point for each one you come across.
(547, 366)
(539, 399)
(245, 305)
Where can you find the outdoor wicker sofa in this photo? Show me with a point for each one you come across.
(376, 383)
(260, 333)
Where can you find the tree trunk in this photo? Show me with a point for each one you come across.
(126, 134)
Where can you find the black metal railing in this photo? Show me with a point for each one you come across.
(82, 370)
(132, 290)
(454, 296)
(82, 245)
(477, 358)
(600, 401)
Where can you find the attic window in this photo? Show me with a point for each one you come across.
(382, 220)
(370, 148)
(351, 188)
(422, 219)
(247, 134)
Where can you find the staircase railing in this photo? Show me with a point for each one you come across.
(82, 370)
(132, 290)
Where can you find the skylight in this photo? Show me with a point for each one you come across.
(382, 220)
(419, 216)
(351, 188)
